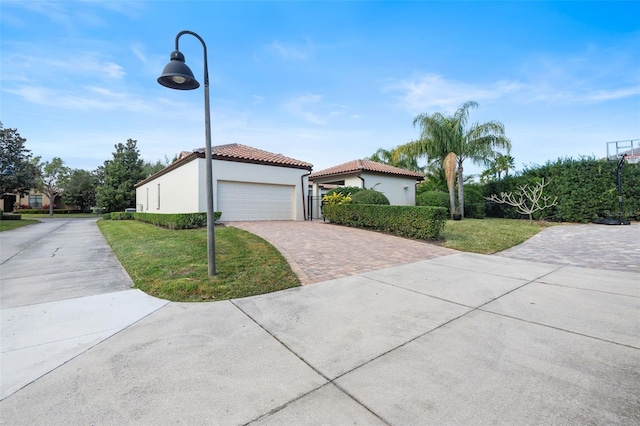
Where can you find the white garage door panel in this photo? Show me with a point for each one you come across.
(252, 201)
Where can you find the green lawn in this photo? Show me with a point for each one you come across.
(57, 216)
(6, 225)
(488, 236)
(172, 264)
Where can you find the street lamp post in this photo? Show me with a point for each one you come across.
(177, 75)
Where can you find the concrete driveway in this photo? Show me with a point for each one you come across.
(456, 339)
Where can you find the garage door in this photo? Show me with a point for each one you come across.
(253, 201)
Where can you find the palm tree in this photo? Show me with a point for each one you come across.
(396, 159)
(441, 135)
(504, 163)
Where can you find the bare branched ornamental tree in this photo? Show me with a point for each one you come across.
(527, 199)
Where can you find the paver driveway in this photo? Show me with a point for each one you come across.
(320, 251)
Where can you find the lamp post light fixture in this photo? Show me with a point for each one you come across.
(177, 75)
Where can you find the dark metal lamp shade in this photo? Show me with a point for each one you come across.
(177, 75)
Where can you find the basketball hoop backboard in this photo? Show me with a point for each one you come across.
(633, 159)
(630, 149)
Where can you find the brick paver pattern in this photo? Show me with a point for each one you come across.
(319, 251)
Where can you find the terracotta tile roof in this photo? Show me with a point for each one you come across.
(356, 166)
(247, 154)
(233, 152)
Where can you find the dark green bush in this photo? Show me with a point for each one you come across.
(419, 222)
(344, 190)
(176, 220)
(433, 199)
(121, 216)
(369, 196)
(106, 216)
(474, 210)
(46, 211)
(10, 217)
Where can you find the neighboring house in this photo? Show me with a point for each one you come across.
(248, 184)
(398, 185)
(33, 200)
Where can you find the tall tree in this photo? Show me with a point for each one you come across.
(52, 173)
(502, 163)
(441, 135)
(397, 159)
(150, 168)
(119, 176)
(19, 173)
(80, 189)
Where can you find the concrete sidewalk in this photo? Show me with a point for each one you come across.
(459, 339)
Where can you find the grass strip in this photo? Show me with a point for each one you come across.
(6, 225)
(488, 236)
(172, 264)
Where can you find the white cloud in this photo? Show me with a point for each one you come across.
(298, 107)
(92, 98)
(432, 91)
(137, 51)
(290, 51)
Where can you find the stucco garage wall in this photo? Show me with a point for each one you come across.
(230, 171)
(178, 191)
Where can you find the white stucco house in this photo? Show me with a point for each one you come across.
(248, 184)
(398, 185)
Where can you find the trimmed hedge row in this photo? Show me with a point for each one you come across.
(175, 220)
(46, 211)
(586, 190)
(121, 216)
(10, 216)
(406, 221)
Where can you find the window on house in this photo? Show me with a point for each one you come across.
(158, 196)
(35, 201)
(147, 198)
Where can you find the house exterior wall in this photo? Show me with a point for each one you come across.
(24, 200)
(183, 190)
(400, 191)
(393, 187)
(174, 192)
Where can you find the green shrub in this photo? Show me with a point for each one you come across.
(46, 211)
(336, 198)
(106, 216)
(369, 196)
(121, 216)
(419, 222)
(344, 190)
(176, 220)
(10, 216)
(474, 210)
(433, 199)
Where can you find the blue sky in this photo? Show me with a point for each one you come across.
(323, 82)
